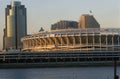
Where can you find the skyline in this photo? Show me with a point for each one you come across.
(44, 13)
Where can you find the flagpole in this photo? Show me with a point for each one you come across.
(91, 12)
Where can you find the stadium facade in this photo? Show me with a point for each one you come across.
(85, 37)
(94, 39)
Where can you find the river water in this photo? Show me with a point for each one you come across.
(60, 73)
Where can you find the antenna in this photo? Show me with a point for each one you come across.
(12, 2)
(91, 12)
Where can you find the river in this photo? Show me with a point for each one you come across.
(60, 73)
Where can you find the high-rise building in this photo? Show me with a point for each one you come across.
(64, 24)
(16, 25)
(87, 22)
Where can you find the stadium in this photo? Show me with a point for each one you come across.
(92, 39)
(65, 37)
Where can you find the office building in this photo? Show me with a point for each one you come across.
(16, 25)
(88, 22)
(64, 24)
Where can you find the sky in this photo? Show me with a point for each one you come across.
(43, 13)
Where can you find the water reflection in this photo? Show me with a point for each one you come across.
(59, 73)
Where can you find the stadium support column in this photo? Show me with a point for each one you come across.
(61, 41)
(74, 43)
(80, 40)
(27, 44)
(24, 44)
(112, 42)
(55, 43)
(93, 41)
(32, 41)
(45, 43)
(118, 40)
(86, 40)
(32, 44)
(100, 41)
(49, 40)
(106, 41)
(67, 41)
(40, 42)
(36, 42)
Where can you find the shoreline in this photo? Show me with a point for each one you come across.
(59, 59)
(58, 65)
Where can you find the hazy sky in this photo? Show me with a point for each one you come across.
(43, 13)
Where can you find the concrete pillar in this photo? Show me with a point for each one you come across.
(118, 40)
(112, 41)
(87, 40)
(80, 40)
(74, 42)
(93, 39)
(106, 42)
(100, 41)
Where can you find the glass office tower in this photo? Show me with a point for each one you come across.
(16, 25)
